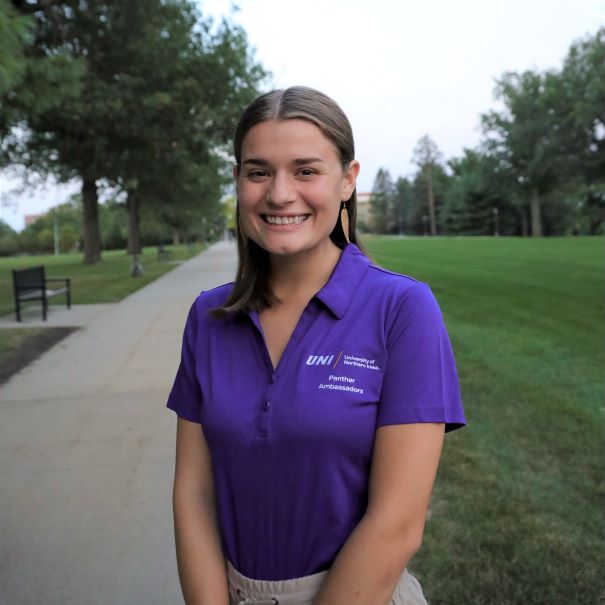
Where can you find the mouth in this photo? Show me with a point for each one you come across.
(294, 219)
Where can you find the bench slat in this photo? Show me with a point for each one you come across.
(38, 293)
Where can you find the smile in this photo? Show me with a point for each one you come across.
(285, 220)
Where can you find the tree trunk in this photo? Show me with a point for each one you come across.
(433, 222)
(536, 217)
(176, 238)
(134, 233)
(134, 222)
(92, 236)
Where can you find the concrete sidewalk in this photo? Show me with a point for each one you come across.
(87, 452)
(59, 316)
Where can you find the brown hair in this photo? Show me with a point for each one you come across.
(251, 289)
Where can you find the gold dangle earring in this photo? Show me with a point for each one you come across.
(344, 220)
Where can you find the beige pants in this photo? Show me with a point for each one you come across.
(301, 591)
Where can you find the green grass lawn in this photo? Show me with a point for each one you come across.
(104, 282)
(517, 506)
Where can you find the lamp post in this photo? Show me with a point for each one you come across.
(56, 233)
(496, 222)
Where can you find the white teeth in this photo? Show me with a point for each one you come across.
(285, 220)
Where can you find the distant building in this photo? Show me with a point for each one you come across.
(32, 218)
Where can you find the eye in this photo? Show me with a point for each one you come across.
(306, 172)
(256, 174)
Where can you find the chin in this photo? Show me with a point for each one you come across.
(285, 250)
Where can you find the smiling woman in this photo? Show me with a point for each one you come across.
(291, 184)
(319, 166)
(322, 382)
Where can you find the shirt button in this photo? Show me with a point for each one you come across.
(272, 377)
(266, 405)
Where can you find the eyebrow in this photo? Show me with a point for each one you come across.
(297, 161)
(301, 161)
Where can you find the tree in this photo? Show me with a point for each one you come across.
(8, 239)
(402, 202)
(522, 134)
(185, 93)
(419, 221)
(31, 80)
(426, 157)
(479, 196)
(381, 202)
(582, 142)
(13, 33)
(158, 92)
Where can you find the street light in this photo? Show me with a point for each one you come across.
(56, 233)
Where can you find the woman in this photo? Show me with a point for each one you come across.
(323, 385)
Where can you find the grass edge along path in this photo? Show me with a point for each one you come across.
(106, 282)
(20, 346)
(516, 509)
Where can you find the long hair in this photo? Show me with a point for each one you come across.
(251, 289)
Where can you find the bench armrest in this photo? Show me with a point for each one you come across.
(65, 279)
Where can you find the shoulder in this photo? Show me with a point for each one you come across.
(398, 289)
(206, 300)
(406, 301)
(215, 297)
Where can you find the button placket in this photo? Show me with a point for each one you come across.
(307, 318)
(265, 405)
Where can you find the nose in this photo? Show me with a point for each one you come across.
(281, 190)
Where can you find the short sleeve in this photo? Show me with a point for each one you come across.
(185, 398)
(420, 382)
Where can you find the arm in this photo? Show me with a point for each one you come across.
(372, 560)
(200, 559)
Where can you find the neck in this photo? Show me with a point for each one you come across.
(303, 275)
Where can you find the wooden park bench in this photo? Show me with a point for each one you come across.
(31, 284)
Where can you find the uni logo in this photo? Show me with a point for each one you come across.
(320, 360)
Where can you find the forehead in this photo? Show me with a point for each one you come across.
(287, 139)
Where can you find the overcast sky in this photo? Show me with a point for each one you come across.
(398, 69)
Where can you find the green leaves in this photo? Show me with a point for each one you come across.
(14, 31)
(551, 132)
(144, 90)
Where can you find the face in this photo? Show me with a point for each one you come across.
(290, 186)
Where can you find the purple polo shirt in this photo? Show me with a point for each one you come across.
(291, 448)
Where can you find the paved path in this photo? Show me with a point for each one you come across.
(87, 453)
(58, 315)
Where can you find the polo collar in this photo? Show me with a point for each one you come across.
(338, 291)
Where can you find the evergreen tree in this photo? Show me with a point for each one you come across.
(401, 207)
(426, 156)
(381, 202)
(476, 201)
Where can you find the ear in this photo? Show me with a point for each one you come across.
(350, 179)
(235, 171)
